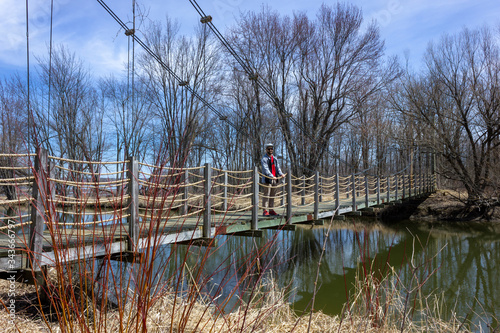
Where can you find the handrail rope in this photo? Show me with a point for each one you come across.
(216, 176)
(20, 200)
(22, 224)
(13, 218)
(308, 195)
(159, 185)
(195, 175)
(18, 155)
(240, 178)
(162, 175)
(328, 186)
(233, 197)
(279, 186)
(87, 201)
(117, 219)
(166, 200)
(17, 178)
(85, 213)
(306, 186)
(118, 197)
(229, 172)
(169, 168)
(183, 184)
(326, 178)
(17, 184)
(196, 196)
(190, 214)
(245, 186)
(86, 184)
(14, 168)
(90, 173)
(232, 210)
(85, 162)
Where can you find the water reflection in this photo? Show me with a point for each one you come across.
(462, 265)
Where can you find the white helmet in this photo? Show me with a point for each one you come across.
(268, 145)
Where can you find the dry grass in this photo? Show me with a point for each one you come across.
(272, 315)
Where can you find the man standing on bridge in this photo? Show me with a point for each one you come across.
(271, 171)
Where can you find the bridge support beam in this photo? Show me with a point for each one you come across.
(353, 182)
(133, 192)
(207, 218)
(316, 195)
(288, 196)
(255, 199)
(337, 193)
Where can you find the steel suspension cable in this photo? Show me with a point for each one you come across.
(252, 74)
(166, 67)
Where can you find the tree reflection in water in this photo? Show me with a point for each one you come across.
(464, 265)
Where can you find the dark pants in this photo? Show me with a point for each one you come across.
(269, 194)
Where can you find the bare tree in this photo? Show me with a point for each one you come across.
(181, 114)
(313, 72)
(13, 113)
(457, 98)
(68, 112)
(129, 112)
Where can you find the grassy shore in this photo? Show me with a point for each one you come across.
(267, 312)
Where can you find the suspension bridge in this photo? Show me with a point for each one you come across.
(68, 210)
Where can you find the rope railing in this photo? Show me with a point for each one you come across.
(190, 194)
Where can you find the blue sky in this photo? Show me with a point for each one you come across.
(89, 31)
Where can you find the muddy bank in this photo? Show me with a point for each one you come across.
(443, 209)
(447, 205)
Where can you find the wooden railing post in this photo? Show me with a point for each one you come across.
(337, 193)
(38, 210)
(207, 218)
(388, 189)
(255, 200)
(316, 195)
(320, 189)
(353, 181)
(367, 192)
(378, 190)
(288, 196)
(396, 185)
(224, 201)
(421, 184)
(404, 186)
(185, 195)
(303, 192)
(133, 192)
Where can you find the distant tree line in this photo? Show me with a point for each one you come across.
(321, 89)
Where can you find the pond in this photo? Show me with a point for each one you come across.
(460, 266)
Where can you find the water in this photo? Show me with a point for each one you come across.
(461, 266)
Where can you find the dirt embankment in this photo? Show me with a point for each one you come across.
(447, 205)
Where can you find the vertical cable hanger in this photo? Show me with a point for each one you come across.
(28, 71)
(50, 62)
